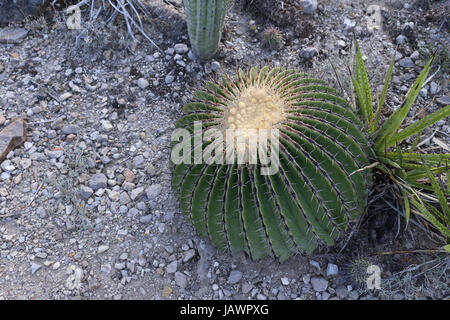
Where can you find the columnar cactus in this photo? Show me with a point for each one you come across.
(205, 20)
(318, 188)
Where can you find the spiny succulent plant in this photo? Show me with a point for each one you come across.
(318, 187)
(205, 19)
(356, 270)
(272, 38)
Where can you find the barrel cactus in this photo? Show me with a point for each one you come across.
(318, 187)
(205, 19)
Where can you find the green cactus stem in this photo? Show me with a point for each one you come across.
(205, 19)
(318, 188)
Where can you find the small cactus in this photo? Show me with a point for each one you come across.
(272, 38)
(205, 19)
(318, 188)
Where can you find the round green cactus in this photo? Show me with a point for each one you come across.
(318, 187)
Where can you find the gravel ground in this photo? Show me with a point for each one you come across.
(86, 208)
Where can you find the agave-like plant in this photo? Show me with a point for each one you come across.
(320, 186)
(407, 168)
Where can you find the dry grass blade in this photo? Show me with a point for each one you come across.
(130, 10)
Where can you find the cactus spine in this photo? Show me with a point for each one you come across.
(205, 19)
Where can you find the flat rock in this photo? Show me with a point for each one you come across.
(98, 181)
(12, 136)
(444, 100)
(319, 284)
(12, 35)
(406, 63)
(181, 279)
(234, 277)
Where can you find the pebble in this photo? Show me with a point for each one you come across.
(341, 44)
(260, 296)
(181, 279)
(153, 191)
(309, 6)
(12, 35)
(137, 193)
(332, 270)
(434, 88)
(85, 192)
(142, 83)
(181, 48)
(406, 63)
(308, 52)
(167, 291)
(98, 181)
(102, 248)
(319, 284)
(169, 79)
(315, 264)
(400, 39)
(35, 268)
(415, 55)
(215, 66)
(348, 24)
(341, 292)
(172, 267)
(444, 100)
(235, 276)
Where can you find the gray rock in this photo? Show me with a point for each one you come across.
(7, 166)
(12, 35)
(215, 66)
(400, 39)
(98, 181)
(309, 6)
(423, 92)
(332, 269)
(434, 88)
(41, 212)
(120, 265)
(415, 55)
(181, 279)
(138, 161)
(308, 52)
(188, 255)
(102, 248)
(55, 154)
(348, 24)
(444, 100)
(124, 198)
(35, 268)
(406, 63)
(172, 267)
(315, 264)
(235, 276)
(181, 48)
(106, 125)
(85, 192)
(70, 129)
(169, 79)
(342, 292)
(153, 191)
(137, 193)
(142, 83)
(319, 284)
(146, 219)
